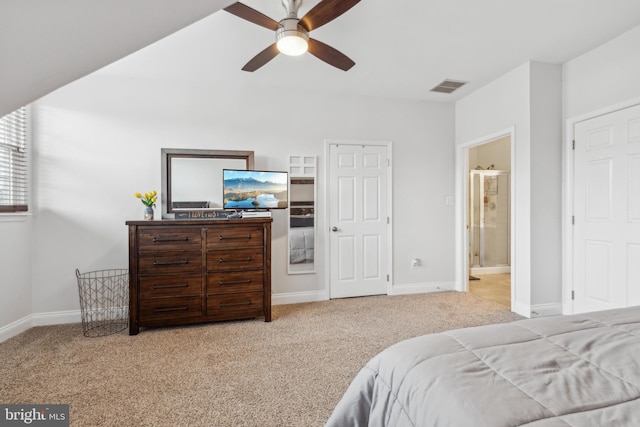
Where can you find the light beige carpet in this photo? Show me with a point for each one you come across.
(290, 372)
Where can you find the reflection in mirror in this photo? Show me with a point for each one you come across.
(197, 183)
(302, 210)
(192, 179)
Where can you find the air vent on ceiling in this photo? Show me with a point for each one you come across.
(448, 86)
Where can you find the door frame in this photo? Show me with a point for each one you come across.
(462, 211)
(326, 230)
(568, 195)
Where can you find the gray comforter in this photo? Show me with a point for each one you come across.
(579, 370)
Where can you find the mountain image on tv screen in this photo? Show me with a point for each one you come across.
(243, 189)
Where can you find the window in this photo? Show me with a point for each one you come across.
(13, 162)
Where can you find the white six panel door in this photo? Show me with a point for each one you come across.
(606, 269)
(358, 219)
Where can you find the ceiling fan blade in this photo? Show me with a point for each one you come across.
(330, 55)
(252, 15)
(326, 11)
(262, 58)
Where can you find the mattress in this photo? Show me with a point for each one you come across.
(578, 370)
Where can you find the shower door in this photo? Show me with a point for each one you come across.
(490, 228)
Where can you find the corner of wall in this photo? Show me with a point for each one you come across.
(42, 319)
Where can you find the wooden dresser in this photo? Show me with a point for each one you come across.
(194, 271)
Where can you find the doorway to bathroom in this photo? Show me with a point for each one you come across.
(489, 220)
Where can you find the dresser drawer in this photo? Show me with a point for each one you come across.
(237, 306)
(170, 285)
(233, 237)
(170, 308)
(166, 238)
(170, 262)
(235, 259)
(234, 281)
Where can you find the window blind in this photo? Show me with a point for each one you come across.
(13, 162)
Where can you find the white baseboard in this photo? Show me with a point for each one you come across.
(73, 316)
(422, 288)
(299, 297)
(539, 310)
(522, 310)
(479, 271)
(57, 318)
(15, 328)
(40, 319)
(567, 308)
(542, 310)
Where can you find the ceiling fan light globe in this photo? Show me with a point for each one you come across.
(292, 45)
(291, 37)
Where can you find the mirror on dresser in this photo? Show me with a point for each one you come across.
(192, 178)
(302, 211)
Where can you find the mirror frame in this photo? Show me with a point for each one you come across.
(167, 154)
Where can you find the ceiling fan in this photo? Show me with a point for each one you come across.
(292, 33)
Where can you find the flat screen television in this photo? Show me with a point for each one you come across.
(251, 189)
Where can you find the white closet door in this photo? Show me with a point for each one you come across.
(358, 220)
(606, 268)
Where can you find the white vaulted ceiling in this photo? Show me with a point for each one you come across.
(46, 44)
(401, 48)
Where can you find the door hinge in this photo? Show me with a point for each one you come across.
(573, 295)
(573, 144)
(388, 162)
(387, 277)
(387, 220)
(573, 220)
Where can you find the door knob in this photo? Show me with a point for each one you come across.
(334, 229)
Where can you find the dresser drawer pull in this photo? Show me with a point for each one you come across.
(171, 239)
(182, 285)
(235, 304)
(222, 282)
(162, 310)
(235, 259)
(221, 237)
(183, 261)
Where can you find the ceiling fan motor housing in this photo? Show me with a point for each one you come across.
(291, 6)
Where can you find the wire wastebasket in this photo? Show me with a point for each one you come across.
(104, 301)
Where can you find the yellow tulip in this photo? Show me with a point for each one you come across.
(146, 195)
(153, 193)
(138, 195)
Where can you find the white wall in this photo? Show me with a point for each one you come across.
(501, 105)
(15, 270)
(94, 150)
(97, 142)
(527, 100)
(603, 77)
(546, 187)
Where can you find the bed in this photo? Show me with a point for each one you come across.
(578, 370)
